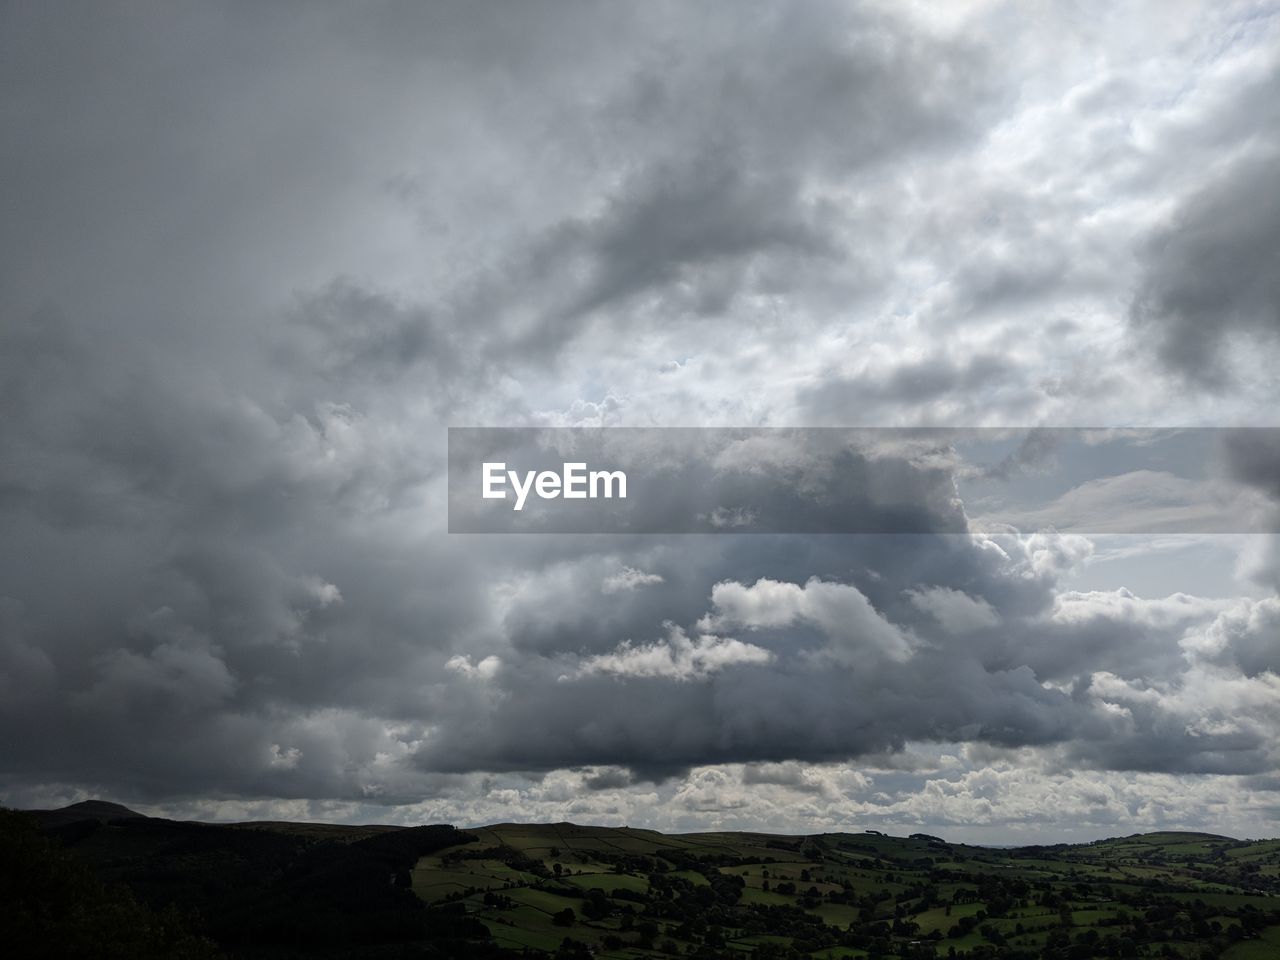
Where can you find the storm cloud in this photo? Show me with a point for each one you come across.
(256, 262)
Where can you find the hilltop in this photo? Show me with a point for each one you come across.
(100, 810)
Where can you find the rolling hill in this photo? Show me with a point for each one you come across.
(269, 889)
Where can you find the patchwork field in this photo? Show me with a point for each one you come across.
(627, 893)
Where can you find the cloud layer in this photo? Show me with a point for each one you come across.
(254, 265)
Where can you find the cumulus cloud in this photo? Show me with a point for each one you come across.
(1246, 635)
(629, 579)
(483, 670)
(677, 657)
(841, 611)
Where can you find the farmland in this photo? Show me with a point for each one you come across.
(277, 890)
(625, 893)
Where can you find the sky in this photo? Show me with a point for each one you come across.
(256, 259)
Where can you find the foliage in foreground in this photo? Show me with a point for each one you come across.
(51, 905)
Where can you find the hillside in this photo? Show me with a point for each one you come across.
(282, 889)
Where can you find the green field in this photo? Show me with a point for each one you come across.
(635, 893)
(1266, 947)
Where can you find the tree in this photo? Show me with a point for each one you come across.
(51, 905)
(596, 906)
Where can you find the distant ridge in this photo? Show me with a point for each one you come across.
(105, 811)
(1178, 834)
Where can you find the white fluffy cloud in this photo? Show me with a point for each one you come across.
(853, 627)
(676, 657)
(484, 670)
(629, 579)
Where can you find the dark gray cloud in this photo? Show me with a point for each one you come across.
(1252, 457)
(908, 385)
(722, 149)
(1212, 274)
